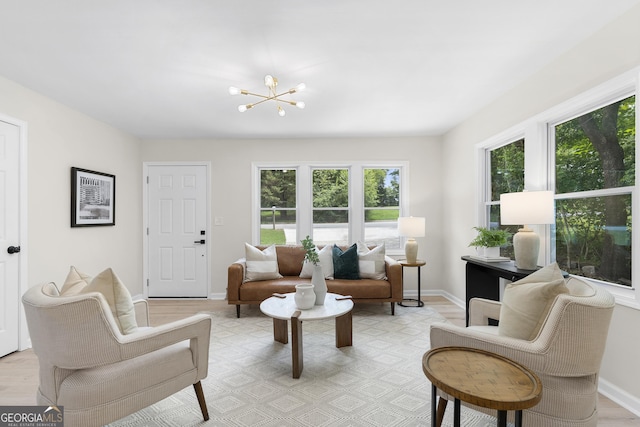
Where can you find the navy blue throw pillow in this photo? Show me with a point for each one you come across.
(345, 264)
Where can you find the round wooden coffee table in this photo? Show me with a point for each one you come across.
(481, 378)
(282, 307)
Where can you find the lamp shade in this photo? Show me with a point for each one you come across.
(527, 207)
(411, 226)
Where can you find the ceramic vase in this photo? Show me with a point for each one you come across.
(319, 284)
(304, 298)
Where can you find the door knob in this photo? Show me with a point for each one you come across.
(13, 249)
(201, 242)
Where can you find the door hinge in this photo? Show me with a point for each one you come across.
(147, 179)
(147, 283)
(147, 231)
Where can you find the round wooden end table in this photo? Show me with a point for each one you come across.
(481, 378)
(418, 264)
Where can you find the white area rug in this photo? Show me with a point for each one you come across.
(376, 382)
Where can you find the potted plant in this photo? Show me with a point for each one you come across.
(488, 241)
(317, 278)
(311, 254)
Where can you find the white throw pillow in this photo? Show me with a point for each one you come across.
(326, 261)
(371, 262)
(75, 282)
(118, 298)
(526, 302)
(261, 265)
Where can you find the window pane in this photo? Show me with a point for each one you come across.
(381, 226)
(597, 150)
(593, 237)
(278, 203)
(382, 191)
(331, 226)
(330, 188)
(278, 226)
(507, 169)
(277, 188)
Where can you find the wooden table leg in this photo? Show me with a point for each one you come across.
(280, 331)
(296, 344)
(344, 330)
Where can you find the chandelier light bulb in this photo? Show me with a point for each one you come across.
(242, 108)
(301, 87)
(281, 111)
(300, 104)
(269, 81)
(234, 90)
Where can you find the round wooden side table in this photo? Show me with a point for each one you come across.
(418, 264)
(481, 378)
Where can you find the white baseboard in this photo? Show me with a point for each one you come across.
(619, 396)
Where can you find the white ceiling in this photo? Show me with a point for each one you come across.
(162, 68)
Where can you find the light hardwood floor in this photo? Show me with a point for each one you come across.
(19, 371)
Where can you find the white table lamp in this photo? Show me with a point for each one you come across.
(411, 227)
(527, 207)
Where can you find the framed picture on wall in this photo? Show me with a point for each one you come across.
(93, 198)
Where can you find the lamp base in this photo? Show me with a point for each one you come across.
(526, 246)
(411, 250)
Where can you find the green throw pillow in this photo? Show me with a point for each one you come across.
(345, 264)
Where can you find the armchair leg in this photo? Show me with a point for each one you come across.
(238, 311)
(203, 404)
(442, 406)
(393, 308)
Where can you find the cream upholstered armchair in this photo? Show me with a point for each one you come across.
(100, 375)
(565, 353)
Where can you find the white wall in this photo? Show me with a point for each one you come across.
(610, 52)
(231, 183)
(59, 138)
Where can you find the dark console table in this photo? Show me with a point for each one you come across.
(483, 278)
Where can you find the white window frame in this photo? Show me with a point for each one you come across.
(540, 170)
(304, 208)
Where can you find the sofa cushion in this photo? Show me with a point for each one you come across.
(526, 302)
(345, 263)
(118, 298)
(371, 262)
(326, 261)
(261, 264)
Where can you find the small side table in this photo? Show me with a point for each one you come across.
(482, 378)
(418, 264)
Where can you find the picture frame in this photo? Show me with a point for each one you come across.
(93, 198)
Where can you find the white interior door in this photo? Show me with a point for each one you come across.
(178, 236)
(9, 238)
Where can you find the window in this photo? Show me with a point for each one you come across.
(332, 203)
(584, 150)
(506, 175)
(330, 197)
(278, 206)
(594, 180)
(382, 206)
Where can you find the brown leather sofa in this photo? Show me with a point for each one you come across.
(290, 258)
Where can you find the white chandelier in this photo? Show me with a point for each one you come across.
(271, 83)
